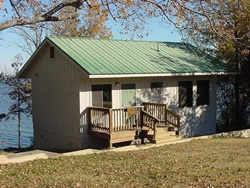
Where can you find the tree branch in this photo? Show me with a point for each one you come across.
(29, 21)
(47, 17)
(110, 12)
(74, 3)
(163, 12)
(14, 7)
(224, 35)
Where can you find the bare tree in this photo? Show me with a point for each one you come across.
(20, 96)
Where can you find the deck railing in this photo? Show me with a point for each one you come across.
(173, 119)
(165, 115)
(123, 120)
(156, 109)
(149, 121)
(99, 119)
(109, 120)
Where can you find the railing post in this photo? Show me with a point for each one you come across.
(178, 126)
(155, 130)
(110, 121)
(141, 114)
(145, 107)
(89, 120)
(166, 117)
(89, 127)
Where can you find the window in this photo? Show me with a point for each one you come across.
(102, 95)
(107, 95)
(156, 87)
(52, 52)
(203, 92)
(185, 94)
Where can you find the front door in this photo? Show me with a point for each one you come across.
(128, 95)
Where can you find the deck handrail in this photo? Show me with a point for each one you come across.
(149, 121)
(156, 109)
(173, 119)
(145, 113)
(99, 119)
(97, 107)
(152, 103)
(109, 120)
(165, 115)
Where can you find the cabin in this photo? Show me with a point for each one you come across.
(93, 92)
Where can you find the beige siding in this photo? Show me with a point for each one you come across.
(195, 120)
(84, 96)
(55, 86)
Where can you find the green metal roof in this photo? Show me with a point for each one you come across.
(108, 57)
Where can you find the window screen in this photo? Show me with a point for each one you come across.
(185, 94)
(203, 92)
(156, 87)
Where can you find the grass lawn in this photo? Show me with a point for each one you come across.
(199, 163)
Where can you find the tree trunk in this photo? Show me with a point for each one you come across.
(19, 130)
(19, 121)
(238, 123)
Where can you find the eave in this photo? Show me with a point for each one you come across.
(161, 75)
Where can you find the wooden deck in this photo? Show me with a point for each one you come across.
(120, 125)
(115, 137)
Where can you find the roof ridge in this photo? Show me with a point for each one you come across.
(112, 39)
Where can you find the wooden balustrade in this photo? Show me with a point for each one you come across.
(156, 109)
(109, 120)
(99, 119)
(173, 119)
(165, 115)
(149, 121)
(122, 120)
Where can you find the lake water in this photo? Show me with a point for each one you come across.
(9, 128)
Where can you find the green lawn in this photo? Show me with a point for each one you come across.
(199, 163)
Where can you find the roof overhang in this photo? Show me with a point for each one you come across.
(161, 75)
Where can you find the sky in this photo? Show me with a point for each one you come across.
(156, 29)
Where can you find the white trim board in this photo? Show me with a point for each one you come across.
(160, 75)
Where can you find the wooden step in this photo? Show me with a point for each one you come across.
(163, 135)
(164, 130)
(163, 139)
(122, 136)
(167, 139)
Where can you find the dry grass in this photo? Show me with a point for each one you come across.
(199, 163)
(3, 152)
